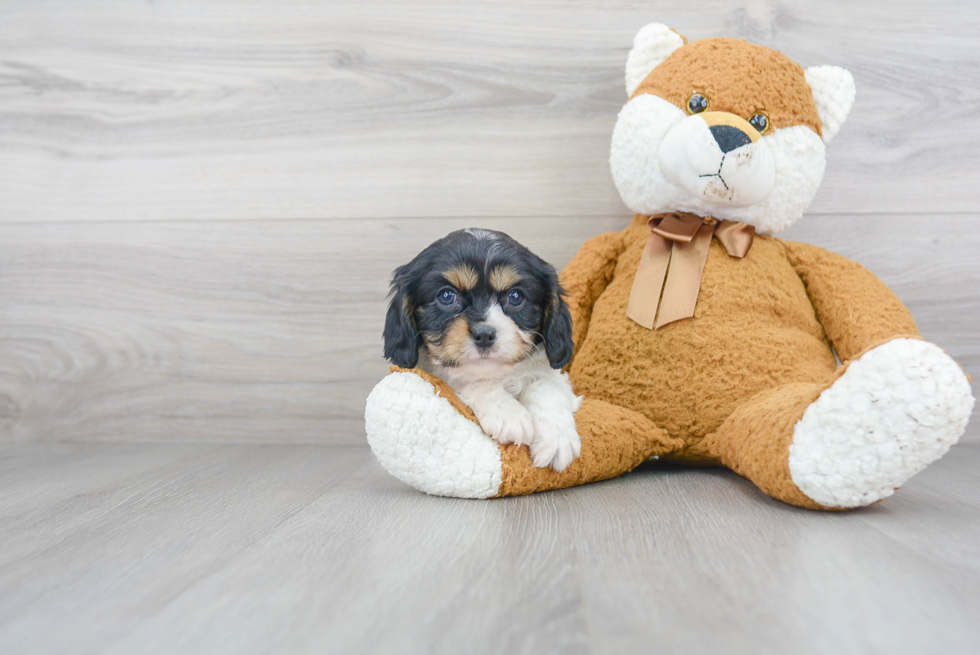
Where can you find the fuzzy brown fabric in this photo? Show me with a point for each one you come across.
(841, 291)
(754, 441)
(753, 329)
(730, 382)
(615, 440)
(723, 71)
(595, 265)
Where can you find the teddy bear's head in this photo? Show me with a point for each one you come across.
(723, 128)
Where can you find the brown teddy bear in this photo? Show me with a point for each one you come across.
(699, 337)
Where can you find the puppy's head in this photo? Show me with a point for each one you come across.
(477, 295)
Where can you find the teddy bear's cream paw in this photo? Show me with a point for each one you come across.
(423, 441)
(893, 412)
(556, 442)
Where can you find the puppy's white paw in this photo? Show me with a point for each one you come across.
(506, 420)
(556, 442)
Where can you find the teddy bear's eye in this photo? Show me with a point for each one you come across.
(697, 103)
(760, 122)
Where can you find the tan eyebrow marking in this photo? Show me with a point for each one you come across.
(504, 277)
(463, 277)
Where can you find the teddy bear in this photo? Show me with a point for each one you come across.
(700, 337)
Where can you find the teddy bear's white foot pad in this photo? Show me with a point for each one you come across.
(893, 412)
(422, 440)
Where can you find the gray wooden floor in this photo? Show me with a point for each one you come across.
(168, 548)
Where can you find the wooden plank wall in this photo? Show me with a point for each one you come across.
(200, 203)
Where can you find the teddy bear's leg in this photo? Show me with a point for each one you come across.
(423, 435)
(856, 439)
(615, 440)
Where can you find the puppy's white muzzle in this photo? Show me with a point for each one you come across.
(725, 163)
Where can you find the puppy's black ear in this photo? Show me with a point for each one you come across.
(557, 329)
(401, 337)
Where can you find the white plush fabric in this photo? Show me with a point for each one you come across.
(423, 441)
(652, 45)
(894, 411)
(834, 93)
(643, 136)
(634, 156)
(692, 159)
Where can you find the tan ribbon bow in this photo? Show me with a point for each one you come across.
(668, 279)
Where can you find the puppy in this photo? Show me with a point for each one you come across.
(482, 312)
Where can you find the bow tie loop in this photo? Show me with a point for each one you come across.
(736, 237)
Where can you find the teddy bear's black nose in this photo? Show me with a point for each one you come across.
(729, 138)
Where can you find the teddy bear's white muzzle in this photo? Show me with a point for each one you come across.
(720, 164)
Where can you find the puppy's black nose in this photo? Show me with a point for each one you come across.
(483, 336)
(729, 138)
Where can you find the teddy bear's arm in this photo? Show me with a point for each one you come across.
(586, 277)
(856, 309)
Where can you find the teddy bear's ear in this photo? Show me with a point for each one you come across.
(833, 91)
(652, 45)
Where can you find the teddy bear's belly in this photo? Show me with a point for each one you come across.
(753, 329)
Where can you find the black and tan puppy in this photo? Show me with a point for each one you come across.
(485, 314)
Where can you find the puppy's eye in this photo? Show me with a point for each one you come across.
(697, 103)
(515, 298)
(446, 297)
(760, 122)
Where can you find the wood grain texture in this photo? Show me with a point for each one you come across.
(255, 331)
(271, 330)
(200, 204)
(116, 110)
(162, 548)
